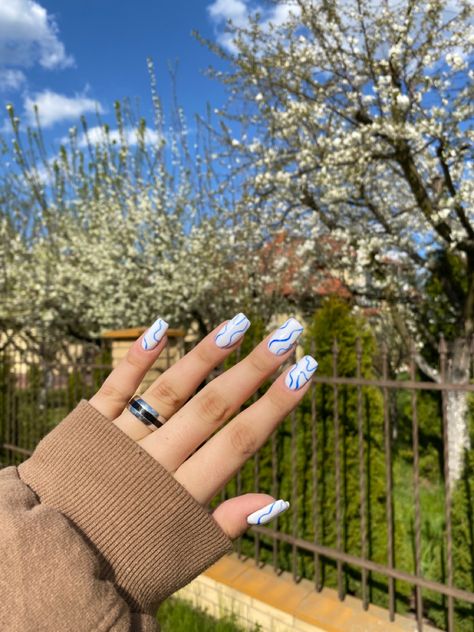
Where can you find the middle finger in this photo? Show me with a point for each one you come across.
(213, 405)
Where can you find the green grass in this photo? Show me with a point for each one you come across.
(176, 615)
(432, 519)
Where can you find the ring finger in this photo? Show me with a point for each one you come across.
(209, 469)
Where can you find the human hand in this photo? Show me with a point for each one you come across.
(204, 467)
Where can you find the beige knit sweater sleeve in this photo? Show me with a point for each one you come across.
(95, 534)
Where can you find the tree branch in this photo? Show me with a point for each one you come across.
(406, 162)
(423, 365)
(452, 190)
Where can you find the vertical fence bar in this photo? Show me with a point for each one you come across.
(3, 411)
(337, 467)
(4, 403)
(443, 353)
(294, 497)
(388, 483)
(238, 483)
(275, 494)
(26, 439)
(416, 480)
(14, 419)
(239, 492)
(362, 477)
(256, 476)
(314, 475)
(75, 380)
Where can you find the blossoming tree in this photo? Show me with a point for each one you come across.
(119, 226)
(357, 123)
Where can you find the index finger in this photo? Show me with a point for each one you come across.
(121, 384)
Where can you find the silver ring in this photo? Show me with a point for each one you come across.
(145, 413)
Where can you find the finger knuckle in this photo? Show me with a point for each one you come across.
(212, 407)
(258, 363)
(243, 440)
(109, 391)
(166, 394)
(204, 355)
(134, 359)
(275, 403)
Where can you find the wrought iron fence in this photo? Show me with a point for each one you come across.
(363, 461)
(38, 387)
(413, 571)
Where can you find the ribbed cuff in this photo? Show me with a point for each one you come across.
(150, 534)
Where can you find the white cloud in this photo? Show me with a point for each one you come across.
(11, 79)
(280, 14)
(28, 35)
(54, 107)
(97, 135)
(235, 10)
(238, 11)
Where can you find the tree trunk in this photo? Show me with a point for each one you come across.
(458, 370)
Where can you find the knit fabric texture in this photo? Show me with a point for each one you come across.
(150, 535)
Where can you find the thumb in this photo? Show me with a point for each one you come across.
(232, 514)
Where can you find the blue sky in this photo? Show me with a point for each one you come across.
(71, 56)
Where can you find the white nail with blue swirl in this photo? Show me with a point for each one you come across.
(232, 331)
(301, 372)
(285, 337)
(267, 513)
(154, 334)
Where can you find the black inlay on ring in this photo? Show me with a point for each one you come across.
(151, 419)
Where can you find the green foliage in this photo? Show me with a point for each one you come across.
(335, 321)
(446, 289)
(463, 542)
(290, 450)
(175, 615)
(314, 509)
(462, 518)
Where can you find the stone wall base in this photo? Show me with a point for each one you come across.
(260, 596)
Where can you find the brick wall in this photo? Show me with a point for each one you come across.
(260, 596)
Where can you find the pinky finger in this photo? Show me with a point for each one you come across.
(236, 515)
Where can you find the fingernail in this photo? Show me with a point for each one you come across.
(232, 331)
(267, 513)
(301, 372)
(154, 334)
(284, 337)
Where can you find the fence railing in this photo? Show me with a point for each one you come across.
(364, 461)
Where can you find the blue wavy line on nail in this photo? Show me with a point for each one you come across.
(157, 331)
(266, 513)
(306, 378)
(291, 376)
(223, 331)
(295, 331)
(244, 318)
(239, 331)
(302, 373)
(285, 325)
(240, 321)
